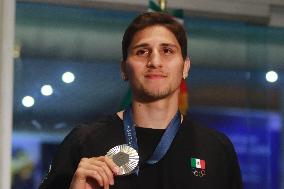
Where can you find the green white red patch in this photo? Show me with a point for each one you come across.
(198, 167)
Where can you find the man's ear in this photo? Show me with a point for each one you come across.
(186, 68)
(123, 70)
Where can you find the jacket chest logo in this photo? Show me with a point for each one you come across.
(198, 167)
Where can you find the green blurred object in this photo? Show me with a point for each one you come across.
(126, 100)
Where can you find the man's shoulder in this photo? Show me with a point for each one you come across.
(97, 127)
(207, 135)
(100, 122)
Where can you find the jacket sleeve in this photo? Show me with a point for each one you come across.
(64, 163)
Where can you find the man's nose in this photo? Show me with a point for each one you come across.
(154, 59)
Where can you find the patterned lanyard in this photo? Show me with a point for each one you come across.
(165, 142)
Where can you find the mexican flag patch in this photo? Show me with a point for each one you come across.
(197, 163)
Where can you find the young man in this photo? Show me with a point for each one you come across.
(172, 152)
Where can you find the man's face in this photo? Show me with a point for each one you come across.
(154, 65)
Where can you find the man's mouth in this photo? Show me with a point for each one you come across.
(155, 76)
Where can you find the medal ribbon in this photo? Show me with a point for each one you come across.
(165, 142)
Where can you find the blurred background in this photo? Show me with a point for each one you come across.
(67, 71)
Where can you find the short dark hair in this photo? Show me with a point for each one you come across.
(148, 19)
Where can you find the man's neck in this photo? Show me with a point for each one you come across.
(156, 115)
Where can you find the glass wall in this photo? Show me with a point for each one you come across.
(67, 72)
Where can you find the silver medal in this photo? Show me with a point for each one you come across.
(125, 157)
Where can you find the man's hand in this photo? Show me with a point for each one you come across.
(94, 172)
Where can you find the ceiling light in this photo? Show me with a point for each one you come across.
(28, 101)
(46, 90)
(68, 77)
(271, 76)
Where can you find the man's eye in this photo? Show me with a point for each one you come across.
(168, 51)
(142, 52)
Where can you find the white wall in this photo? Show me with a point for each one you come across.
(6, 85)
